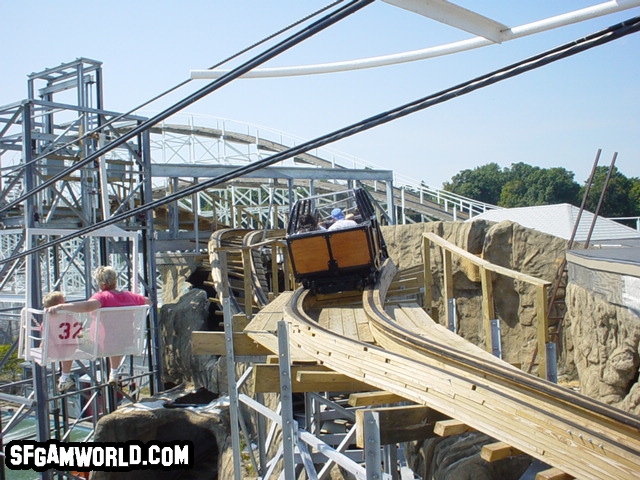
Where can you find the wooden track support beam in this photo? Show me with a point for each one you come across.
(553, 474)
(213, 343)
(493, 452)
(369, 399)
(304, 378)
(400, 424)
(446, 428)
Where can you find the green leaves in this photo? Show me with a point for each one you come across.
(523, 185)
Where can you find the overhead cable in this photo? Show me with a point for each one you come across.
(600, 38)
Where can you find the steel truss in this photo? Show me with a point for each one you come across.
(41, 137)
(299, 441)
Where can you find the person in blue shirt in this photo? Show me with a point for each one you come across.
(340, 221)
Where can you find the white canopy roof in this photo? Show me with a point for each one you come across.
(559, 220)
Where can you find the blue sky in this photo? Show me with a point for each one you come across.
(559, 115)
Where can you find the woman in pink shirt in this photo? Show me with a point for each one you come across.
(107, 296)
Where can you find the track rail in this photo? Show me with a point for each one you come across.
(580, 436)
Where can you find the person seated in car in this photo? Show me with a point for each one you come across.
(340, 221)
(308, 223)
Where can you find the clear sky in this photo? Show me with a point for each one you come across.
(559, 115)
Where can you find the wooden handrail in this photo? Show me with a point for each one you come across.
(485, 268)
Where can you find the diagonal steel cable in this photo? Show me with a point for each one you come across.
(268, 54)
(569, 49)
(121, 116)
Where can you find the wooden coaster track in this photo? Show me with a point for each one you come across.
(581, 437)
(409, 355)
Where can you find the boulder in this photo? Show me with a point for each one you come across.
(177, 320)
(206, 427)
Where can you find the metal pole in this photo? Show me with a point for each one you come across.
(231, 371)
(34, 287)
(289, 425)
(584, 198)
(149, 258)
(372, 456)
(602, 194)
(2, 477)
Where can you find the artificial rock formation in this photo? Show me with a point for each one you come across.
(177, 320)
(506, 244)
(205, 427)
(458, 457)
(607, 348)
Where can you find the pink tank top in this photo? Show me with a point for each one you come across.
(111, 298)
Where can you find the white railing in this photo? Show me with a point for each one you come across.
(637, 220)
(448, 201)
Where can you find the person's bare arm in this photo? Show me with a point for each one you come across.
(76, 307)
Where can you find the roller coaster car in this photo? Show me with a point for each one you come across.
(327, 261)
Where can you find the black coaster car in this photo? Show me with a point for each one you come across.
(328, 260)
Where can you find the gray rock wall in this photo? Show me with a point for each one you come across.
(606, 348)
(207, 429)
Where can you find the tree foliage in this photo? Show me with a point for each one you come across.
(482, 183)
(621, 197)
(11, 368)
(522, 185)
(529, 185)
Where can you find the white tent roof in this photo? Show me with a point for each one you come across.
(559, 220)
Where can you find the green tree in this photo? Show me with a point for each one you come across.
(482, 183)
(520, 185)
(621, 196)
(11, 368)
(529, 185)
(634, 195)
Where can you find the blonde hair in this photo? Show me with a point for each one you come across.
(53, 298)
(106, 276)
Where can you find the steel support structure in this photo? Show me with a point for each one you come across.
(40, 137)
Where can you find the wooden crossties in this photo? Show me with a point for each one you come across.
(446, 428)
(486, 271)
(214, 343)
(368, 399)
(266, 320)
(553, 474)
(349, 322)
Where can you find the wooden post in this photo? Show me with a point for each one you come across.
(248, 290)
(542, 317)
(275, 287)
(239, 211)
(275, 222)
(288, 280)
(488, 312)
(448, 280)
(426, 266)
